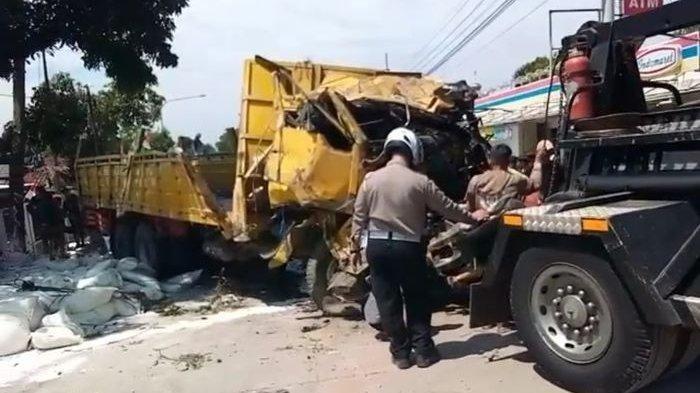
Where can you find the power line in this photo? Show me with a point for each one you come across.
(429, 55)
(462, 33)
(474, 33)
(455, 12)
(519, 21)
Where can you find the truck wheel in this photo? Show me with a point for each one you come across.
(147, 248)
(319, 271)
(690, 352)
(581, 326)
(122, 242)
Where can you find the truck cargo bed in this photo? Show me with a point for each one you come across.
(158, 184)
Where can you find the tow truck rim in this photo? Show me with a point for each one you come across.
(571, 313)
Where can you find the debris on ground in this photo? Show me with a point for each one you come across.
(223, 299)
(48, 304)
(185, 362)
(315, 326)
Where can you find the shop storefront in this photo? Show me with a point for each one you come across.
(516, 116)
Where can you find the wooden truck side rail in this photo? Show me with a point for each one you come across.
(155, 184)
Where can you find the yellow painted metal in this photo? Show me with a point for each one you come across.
(304, 167)
(266, 97)
(156, 184)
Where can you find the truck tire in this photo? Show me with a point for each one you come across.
(122, 242)
(581, 326)
(183, 255)
(319, 270)
(689, 353)
(147, 248)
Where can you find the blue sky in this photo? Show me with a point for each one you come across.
(213, 37)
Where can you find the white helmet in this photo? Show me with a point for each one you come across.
(410, 139)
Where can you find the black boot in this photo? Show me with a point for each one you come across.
(427, 359)
(402, 363)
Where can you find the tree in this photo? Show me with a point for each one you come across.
(538, 64)
(57, 116)
(227, 141)
(125, 115)
(161, 140)
(125, 38)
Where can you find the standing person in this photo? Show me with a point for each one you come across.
(71, 206)
(493, 190)
(48, 220)
(197, 145)
(391, 206)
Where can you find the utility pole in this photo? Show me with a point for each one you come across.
(46, 69)
(608, 7)
(18, 94)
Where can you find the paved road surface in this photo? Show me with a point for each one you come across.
(278, 349)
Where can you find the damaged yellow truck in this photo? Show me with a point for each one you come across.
(307, 135)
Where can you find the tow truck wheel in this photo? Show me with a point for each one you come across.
(581, 326)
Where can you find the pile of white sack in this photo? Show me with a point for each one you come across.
(96, 290)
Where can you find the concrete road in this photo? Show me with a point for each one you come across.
(282, 348)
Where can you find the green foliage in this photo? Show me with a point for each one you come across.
(126, 38)
(126, 115)
(57, 115)
(227, 141)
(538, 64)
(161, 140)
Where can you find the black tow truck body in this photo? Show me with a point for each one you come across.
(626, 194)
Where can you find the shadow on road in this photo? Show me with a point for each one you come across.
(477, 345)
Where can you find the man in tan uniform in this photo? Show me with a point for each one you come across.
(391, 206)
(493, 190)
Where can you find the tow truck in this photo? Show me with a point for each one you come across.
(603, 280)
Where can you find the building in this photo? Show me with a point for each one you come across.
(516, 116)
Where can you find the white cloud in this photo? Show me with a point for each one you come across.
(213, 38)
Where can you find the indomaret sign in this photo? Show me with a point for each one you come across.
(632, 7)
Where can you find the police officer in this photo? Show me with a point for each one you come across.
(391, 206)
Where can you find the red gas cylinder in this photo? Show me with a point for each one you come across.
(577, 73)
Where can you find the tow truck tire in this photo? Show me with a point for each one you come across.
(122, 242)
(689, 353)
(147, 248)
(554, 293)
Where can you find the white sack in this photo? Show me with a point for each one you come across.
(99, 267)
(61, 319)
(87, 299)
(106, 278)
(149, 285)
(54, 337)
(128, 263)
(27, 308)
(96, 316)
(55, 281)
(181, 281)
(14, 334)
(126, 307)
(62, 266)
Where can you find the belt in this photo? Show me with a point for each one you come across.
(388, 235)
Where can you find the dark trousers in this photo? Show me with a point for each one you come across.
(400, 275)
